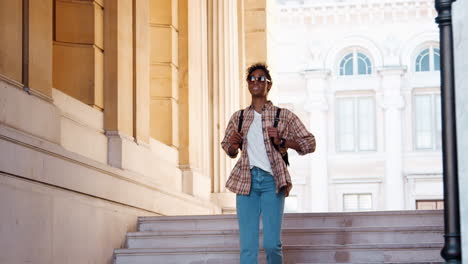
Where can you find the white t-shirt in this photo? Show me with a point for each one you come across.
(256, 145)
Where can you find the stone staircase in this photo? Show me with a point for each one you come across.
(364, 237)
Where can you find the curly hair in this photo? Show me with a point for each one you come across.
(261, 66)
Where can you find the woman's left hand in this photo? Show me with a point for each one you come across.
(273, 133)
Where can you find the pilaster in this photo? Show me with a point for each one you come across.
(11, 39)
(40, 47)
(317, 107)
(392, 102)
(198, 180)
(118, 77)
(224, 81)
(141, 53)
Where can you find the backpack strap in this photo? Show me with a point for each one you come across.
(275, 124)
(278, 111)
(239, 126)
(241, 119)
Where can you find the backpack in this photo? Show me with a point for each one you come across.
(277, 119)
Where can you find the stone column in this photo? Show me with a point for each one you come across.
(224, 81)
(317, 106)
(392, 102)
(198, 179)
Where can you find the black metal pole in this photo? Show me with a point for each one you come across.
(452, 247)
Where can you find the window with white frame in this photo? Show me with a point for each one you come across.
(357, 202)
(355, 120)
(429, 204)
(355, 63)
(428, 59)
(427, 125)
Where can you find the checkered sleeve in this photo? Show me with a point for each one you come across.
(303, 137)
(231, 127)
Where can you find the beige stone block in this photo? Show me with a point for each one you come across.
(28, 114)
(40, 46)
(98, 26)
(11, 39)
(45, 162)
(201, 185)
(79, 22)
(74, 21)
(175, 47)
(161, 120)
(50, 225)
(98, 78)
(184, 126)
(175, 82)
(99, 2)
(175, 13)
(163, 79)
(163, 12)
(78, 72)
(252, 4)
(256, 47)
(78, 111)
(175, 122)
(162, 46)
(95, 229)
(159, 162)
(79, 121)
(255, 20)
(25, 223)
(74, 134)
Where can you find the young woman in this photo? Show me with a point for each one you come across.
(260, 178)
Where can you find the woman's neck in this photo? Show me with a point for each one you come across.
(258, 103)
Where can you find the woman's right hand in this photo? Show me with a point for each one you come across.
(235, 140)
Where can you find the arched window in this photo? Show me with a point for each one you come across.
(428, 60)
(355, 63)
(346, 65)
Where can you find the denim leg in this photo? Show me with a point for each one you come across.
(248, 215)
(272, 206)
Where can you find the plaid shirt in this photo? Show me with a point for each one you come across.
(289, 128)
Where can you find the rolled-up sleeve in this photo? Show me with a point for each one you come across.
(231, 127)
(303, 137)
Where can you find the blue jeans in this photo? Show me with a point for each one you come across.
(263, 200)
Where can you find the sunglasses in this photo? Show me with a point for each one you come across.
(261, 79)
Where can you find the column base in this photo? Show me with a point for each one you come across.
(225, 200)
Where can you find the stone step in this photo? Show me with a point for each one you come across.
(389, 253)
(314, 236)
(298, 221)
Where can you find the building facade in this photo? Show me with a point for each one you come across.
(110, 110)
(365, 77)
